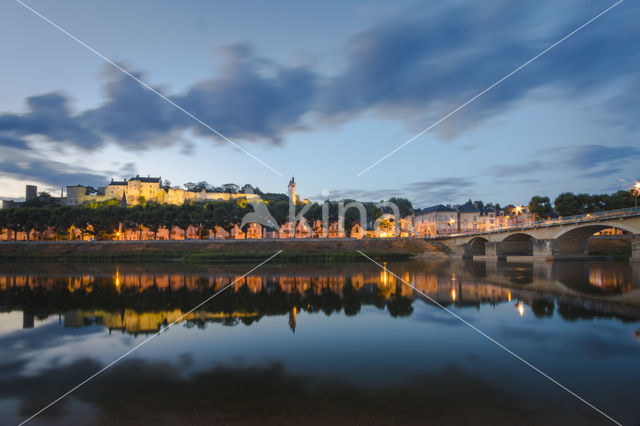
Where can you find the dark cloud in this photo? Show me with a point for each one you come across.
(602, 173)
(247, 100)
(423, 65)
(360, 194)
(415, 67)
(139, 391)
(16, 143)
(592, 160)
(48, 115)
(510, 170)
(133, 116)
(591, 156)
(421, 194)
(57, 174)
(440, 191)
(244, 103)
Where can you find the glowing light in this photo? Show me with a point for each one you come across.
(520, 308)
(518, 209)
(453, 294)
(509, 297)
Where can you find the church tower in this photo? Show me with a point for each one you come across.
(292, 191)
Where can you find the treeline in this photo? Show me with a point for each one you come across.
(102, 220)
(570, 204)
(104, 295)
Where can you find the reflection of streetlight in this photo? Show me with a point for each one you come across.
(520, 308)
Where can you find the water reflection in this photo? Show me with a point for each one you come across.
(323, 344)
(140, 300)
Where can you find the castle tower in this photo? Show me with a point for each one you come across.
(292, 319)
(31, 192)
(292, 191)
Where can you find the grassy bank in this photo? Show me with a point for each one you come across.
(618, 249)
(204, 252)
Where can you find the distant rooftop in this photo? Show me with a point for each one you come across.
(148, 179)
(468, 208)
(437, 208)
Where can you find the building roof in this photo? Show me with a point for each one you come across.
(147, 179)
(118, 182)
(437, 208)
(468, 208)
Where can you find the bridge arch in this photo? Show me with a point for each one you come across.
(593, 228)
(518, 244)
(477, 246)
(576, 239)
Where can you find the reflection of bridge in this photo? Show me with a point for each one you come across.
(547, 240)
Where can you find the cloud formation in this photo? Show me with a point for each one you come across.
(414, 67)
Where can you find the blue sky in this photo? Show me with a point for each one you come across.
(321, 91)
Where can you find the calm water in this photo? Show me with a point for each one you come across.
(321, 344)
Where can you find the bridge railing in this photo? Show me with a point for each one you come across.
(564, 219)
(588, 216)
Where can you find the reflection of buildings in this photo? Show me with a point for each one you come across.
(133, 284)
(610, 279)
(277, 291)
(28, 318)
(292, 318)
(134, 322)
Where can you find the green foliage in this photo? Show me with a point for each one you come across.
(540, 206)
(570, 204)
(403, 204)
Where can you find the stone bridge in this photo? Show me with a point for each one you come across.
(561, 239)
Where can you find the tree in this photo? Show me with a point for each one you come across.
(403, 204)
(134, 218)
(4, 219)
(151, 217)
(18, 221)
(230, 188)
(567, 204)
(61, 220)
(168, 215)
(39, 220)
(540, 206)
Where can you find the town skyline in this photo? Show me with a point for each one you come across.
(301, 105)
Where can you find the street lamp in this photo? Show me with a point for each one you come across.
(518, 211)
(636, 190)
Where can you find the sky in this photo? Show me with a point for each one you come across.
(321, 91)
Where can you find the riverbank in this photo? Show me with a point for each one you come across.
(207, 251)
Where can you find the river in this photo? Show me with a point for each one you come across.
(345, 343)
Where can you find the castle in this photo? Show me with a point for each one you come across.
(141, 189)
